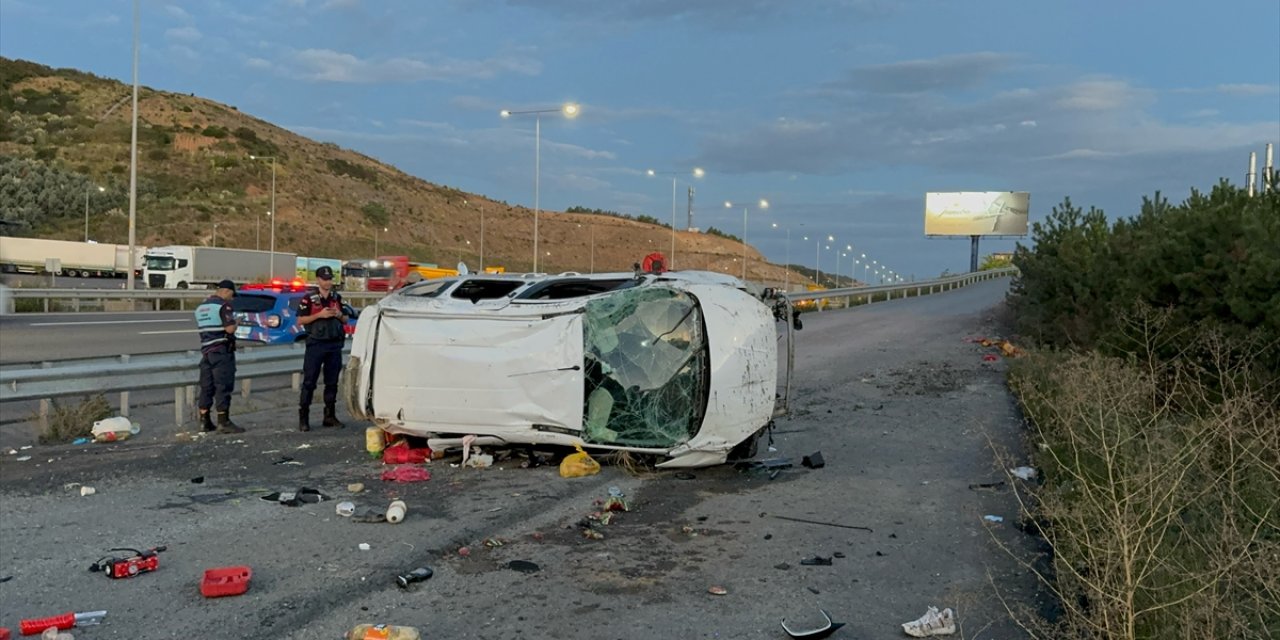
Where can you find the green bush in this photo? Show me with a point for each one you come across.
(214, 131)
(359, 172)
(1213, 262)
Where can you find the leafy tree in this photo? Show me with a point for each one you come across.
(376, 214)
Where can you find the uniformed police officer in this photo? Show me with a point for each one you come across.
(321, 313)
(217, 325)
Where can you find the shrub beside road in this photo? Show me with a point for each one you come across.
(1153, 411)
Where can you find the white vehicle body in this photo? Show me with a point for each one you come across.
(682, 365)
(183, 267)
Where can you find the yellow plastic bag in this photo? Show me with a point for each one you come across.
(577, 465)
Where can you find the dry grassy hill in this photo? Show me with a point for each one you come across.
(194, 170)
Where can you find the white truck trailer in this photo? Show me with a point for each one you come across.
(183, 267)
(75, 259)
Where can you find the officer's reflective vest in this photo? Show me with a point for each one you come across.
(209, 322)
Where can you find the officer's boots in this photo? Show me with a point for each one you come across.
(225, 425)
(331, 417)
(304, 418)
(206, 421)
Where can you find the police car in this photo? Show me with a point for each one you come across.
(268, 312)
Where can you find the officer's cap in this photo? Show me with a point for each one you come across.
(325, 273)
(227, 284)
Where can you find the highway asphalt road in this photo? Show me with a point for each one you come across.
(903, 408)
(33, 337)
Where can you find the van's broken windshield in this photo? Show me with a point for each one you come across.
(646, 368)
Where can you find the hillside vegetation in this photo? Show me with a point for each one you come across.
(63, 133)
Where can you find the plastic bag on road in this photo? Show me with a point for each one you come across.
(577, 465)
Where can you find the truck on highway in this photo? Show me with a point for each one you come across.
(184, 267)
(69, 258)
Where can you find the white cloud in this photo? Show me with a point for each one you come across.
(957, 71)
(1248, 89)
(182, 34)
(258, 63)
(177, 12)
(1028, 123)
(326, 65)
(341, 4)
(1099, 94)
(1204, 113)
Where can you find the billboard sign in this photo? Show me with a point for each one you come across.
(976, 213)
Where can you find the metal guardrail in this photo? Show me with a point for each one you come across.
(177, 370)
(901, 290)
(155, 296)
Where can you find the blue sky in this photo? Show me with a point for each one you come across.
(842, 113)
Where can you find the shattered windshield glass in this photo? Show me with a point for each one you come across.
(646, 368)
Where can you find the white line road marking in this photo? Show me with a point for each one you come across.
(70, 324)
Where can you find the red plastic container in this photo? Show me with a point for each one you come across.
(225, 581)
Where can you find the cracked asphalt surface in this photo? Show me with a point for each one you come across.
(904, 411)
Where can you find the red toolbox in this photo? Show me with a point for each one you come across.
(225, 581)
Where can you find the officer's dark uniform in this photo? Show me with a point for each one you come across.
(217, 360)
(325, 337)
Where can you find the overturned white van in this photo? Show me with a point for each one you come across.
(682, 365)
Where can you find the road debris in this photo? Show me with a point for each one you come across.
(295, 498)
(813, 461)
(406, 473)
(578, 464)
(369, 515)
(396, 511)
(364, 546)
(825, 524)
(114, 429)
(225, 581)
(932, 623)
(1024, 473)
(402, 453)
(821, 630)
(60, 623)
(990, 518)
(717, 590)
(421, 574)
(355, 487)
(816, 561)
(524, 566)
(197, 480)
(345, 509)
(87, 491)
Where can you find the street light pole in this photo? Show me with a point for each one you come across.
(569, 110)
(697, 173)
(133, 159)
(215, 234)
(272, 213)
(764, 204)
(86, 211)
(786, 278)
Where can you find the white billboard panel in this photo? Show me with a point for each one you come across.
(976, 213)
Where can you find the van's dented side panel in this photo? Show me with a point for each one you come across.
(491, 375)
